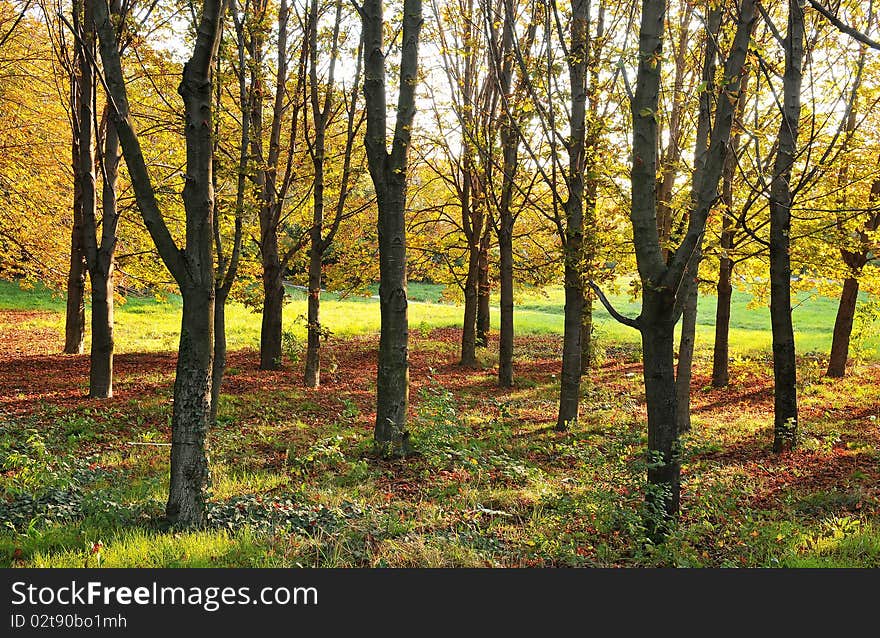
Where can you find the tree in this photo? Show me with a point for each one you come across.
(661, 281)
(193, 266)
(227, 263)
(388, 171)
(324, 117)
(275, 168)
(785, 409)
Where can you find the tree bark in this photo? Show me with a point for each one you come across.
(664, 276)
(388, 172)
(570, 378)
(192, 268)
(664, 464)
(684, 369)
(690, 290)
(313, 351)
(721, 349)
(218, 366)
(75, 317)
(101, 371)
(469, 322)
(843, 324)
(273, 305)
(784, 366)
(505, 282)
(484, 289)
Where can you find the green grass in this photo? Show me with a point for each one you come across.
(145, 324)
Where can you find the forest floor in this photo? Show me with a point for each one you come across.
(293, 481)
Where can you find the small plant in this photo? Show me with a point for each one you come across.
(292, 348)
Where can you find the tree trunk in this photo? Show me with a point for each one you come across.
(843, 325)
(101, 371)
(75, 318)
(392, 383)
(193, 267)
(784, 367)
(721, 350)
(469, 325)
(664, 464)
(388, 172)
(219, 363)
(273, 305)
(483, 290)
(570, 380)
(587, 345)
(505, 346)
(192, 409)
(684, 372)
(313, 352)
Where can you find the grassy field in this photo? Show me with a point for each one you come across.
(294, 483)
(147, 325)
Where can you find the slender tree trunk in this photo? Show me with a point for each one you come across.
(483, 290)
(587, 345)
(99, 256)
(75, 318)
(690, 289)
(505, 347)
(684, 371)
(784, 366)
(313, 352)
(469, 325)
(721, 350)
(219, 363)
(101, 371)
(843, 325)
(570, 378)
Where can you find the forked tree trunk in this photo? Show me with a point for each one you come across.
(192, 268)
(662, 280)
(389, 175)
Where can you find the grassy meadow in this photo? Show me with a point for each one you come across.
(294, 483)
